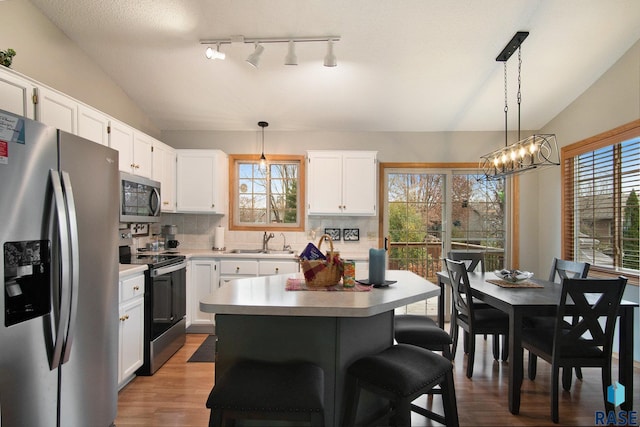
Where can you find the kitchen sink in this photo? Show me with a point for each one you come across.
(279, 252)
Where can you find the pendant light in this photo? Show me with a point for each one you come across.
(533, 152)
(263, 159)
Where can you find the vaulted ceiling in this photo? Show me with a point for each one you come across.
(410, 65)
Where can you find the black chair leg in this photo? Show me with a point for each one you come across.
(471, 355)
(505, 347)
(496, 347)
(449, 401)
(567, 377)
(578, 372)
(454, 339)
(402, 415)
(533, 366)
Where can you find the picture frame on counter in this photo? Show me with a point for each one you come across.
(334, 233)
(351, 234)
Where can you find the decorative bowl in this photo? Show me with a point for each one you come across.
(513, 275)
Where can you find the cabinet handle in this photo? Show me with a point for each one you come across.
(133, 165)
(213, 205)
(125, 317)
(237, 269)
(277, 269)
(136, 288)
(165, 203)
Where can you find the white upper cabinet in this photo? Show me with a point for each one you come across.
(16, 94)
(57, 110)
(134, 149)
(341, 182)
(202, 179)
(164, 171)
(142, 154)
(93, 125)
(121, 140)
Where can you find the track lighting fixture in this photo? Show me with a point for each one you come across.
(290, 59)
(254, 58)
(330, 57)
(263, 159)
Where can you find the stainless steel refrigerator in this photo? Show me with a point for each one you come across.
(58, 230)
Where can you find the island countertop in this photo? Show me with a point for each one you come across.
(267, 296)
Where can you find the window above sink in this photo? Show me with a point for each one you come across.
(267, 199)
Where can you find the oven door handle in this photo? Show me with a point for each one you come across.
(155, 272)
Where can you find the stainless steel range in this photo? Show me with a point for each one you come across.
(165, 306)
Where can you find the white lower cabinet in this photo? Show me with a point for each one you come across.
(231, 269)
(202, 278)
(131, 328)
(268, 268)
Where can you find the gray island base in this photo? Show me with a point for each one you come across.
(256, 318)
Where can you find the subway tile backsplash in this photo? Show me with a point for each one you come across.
(198, 231)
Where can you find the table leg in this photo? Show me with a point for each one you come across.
(625, 355)
(515, 362)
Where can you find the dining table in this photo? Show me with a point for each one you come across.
(263, 318)
(520, 302)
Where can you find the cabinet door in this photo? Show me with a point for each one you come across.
(359, 183)
(57, 110)
(16, 94)
(201, 181)
(324, 182)
(93, 125)
(142, 154)
(164, 171)
(268, 268)
(204, 278)
(131, 338)
(121, 139)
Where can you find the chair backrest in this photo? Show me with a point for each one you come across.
(460, 287)
(589, 301)
(563, 269)
(472, 259)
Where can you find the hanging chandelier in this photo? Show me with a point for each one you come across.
(534, 152)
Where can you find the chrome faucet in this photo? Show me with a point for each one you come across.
(265, 241)
(285, 247)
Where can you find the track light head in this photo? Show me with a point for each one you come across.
(330, 58)
(211, 53)
(291, 58)
(254, 58)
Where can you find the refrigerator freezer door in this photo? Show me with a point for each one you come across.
(28, 386)
(89, 377)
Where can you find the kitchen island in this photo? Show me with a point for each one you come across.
(257, 318)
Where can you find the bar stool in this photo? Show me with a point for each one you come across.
(252, 389)
(401, 374)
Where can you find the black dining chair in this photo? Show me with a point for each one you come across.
(475, 262)
(585, 343)
(474, 322)
(560, 269)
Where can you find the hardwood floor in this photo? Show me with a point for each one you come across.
(176, 394)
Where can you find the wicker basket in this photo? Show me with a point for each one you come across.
(327, 272)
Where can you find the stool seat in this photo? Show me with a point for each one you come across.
(269, 390)
(422, 331)
(401, 373)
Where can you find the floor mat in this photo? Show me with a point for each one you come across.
(206, 352)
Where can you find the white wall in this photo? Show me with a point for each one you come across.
(47, 55)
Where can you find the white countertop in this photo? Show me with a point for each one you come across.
(267, 296)
(208, 253)
(129, 269)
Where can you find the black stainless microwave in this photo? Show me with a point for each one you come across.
(139, 199)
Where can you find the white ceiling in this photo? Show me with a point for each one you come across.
(403, 65)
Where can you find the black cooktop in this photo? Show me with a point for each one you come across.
(152, 260)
